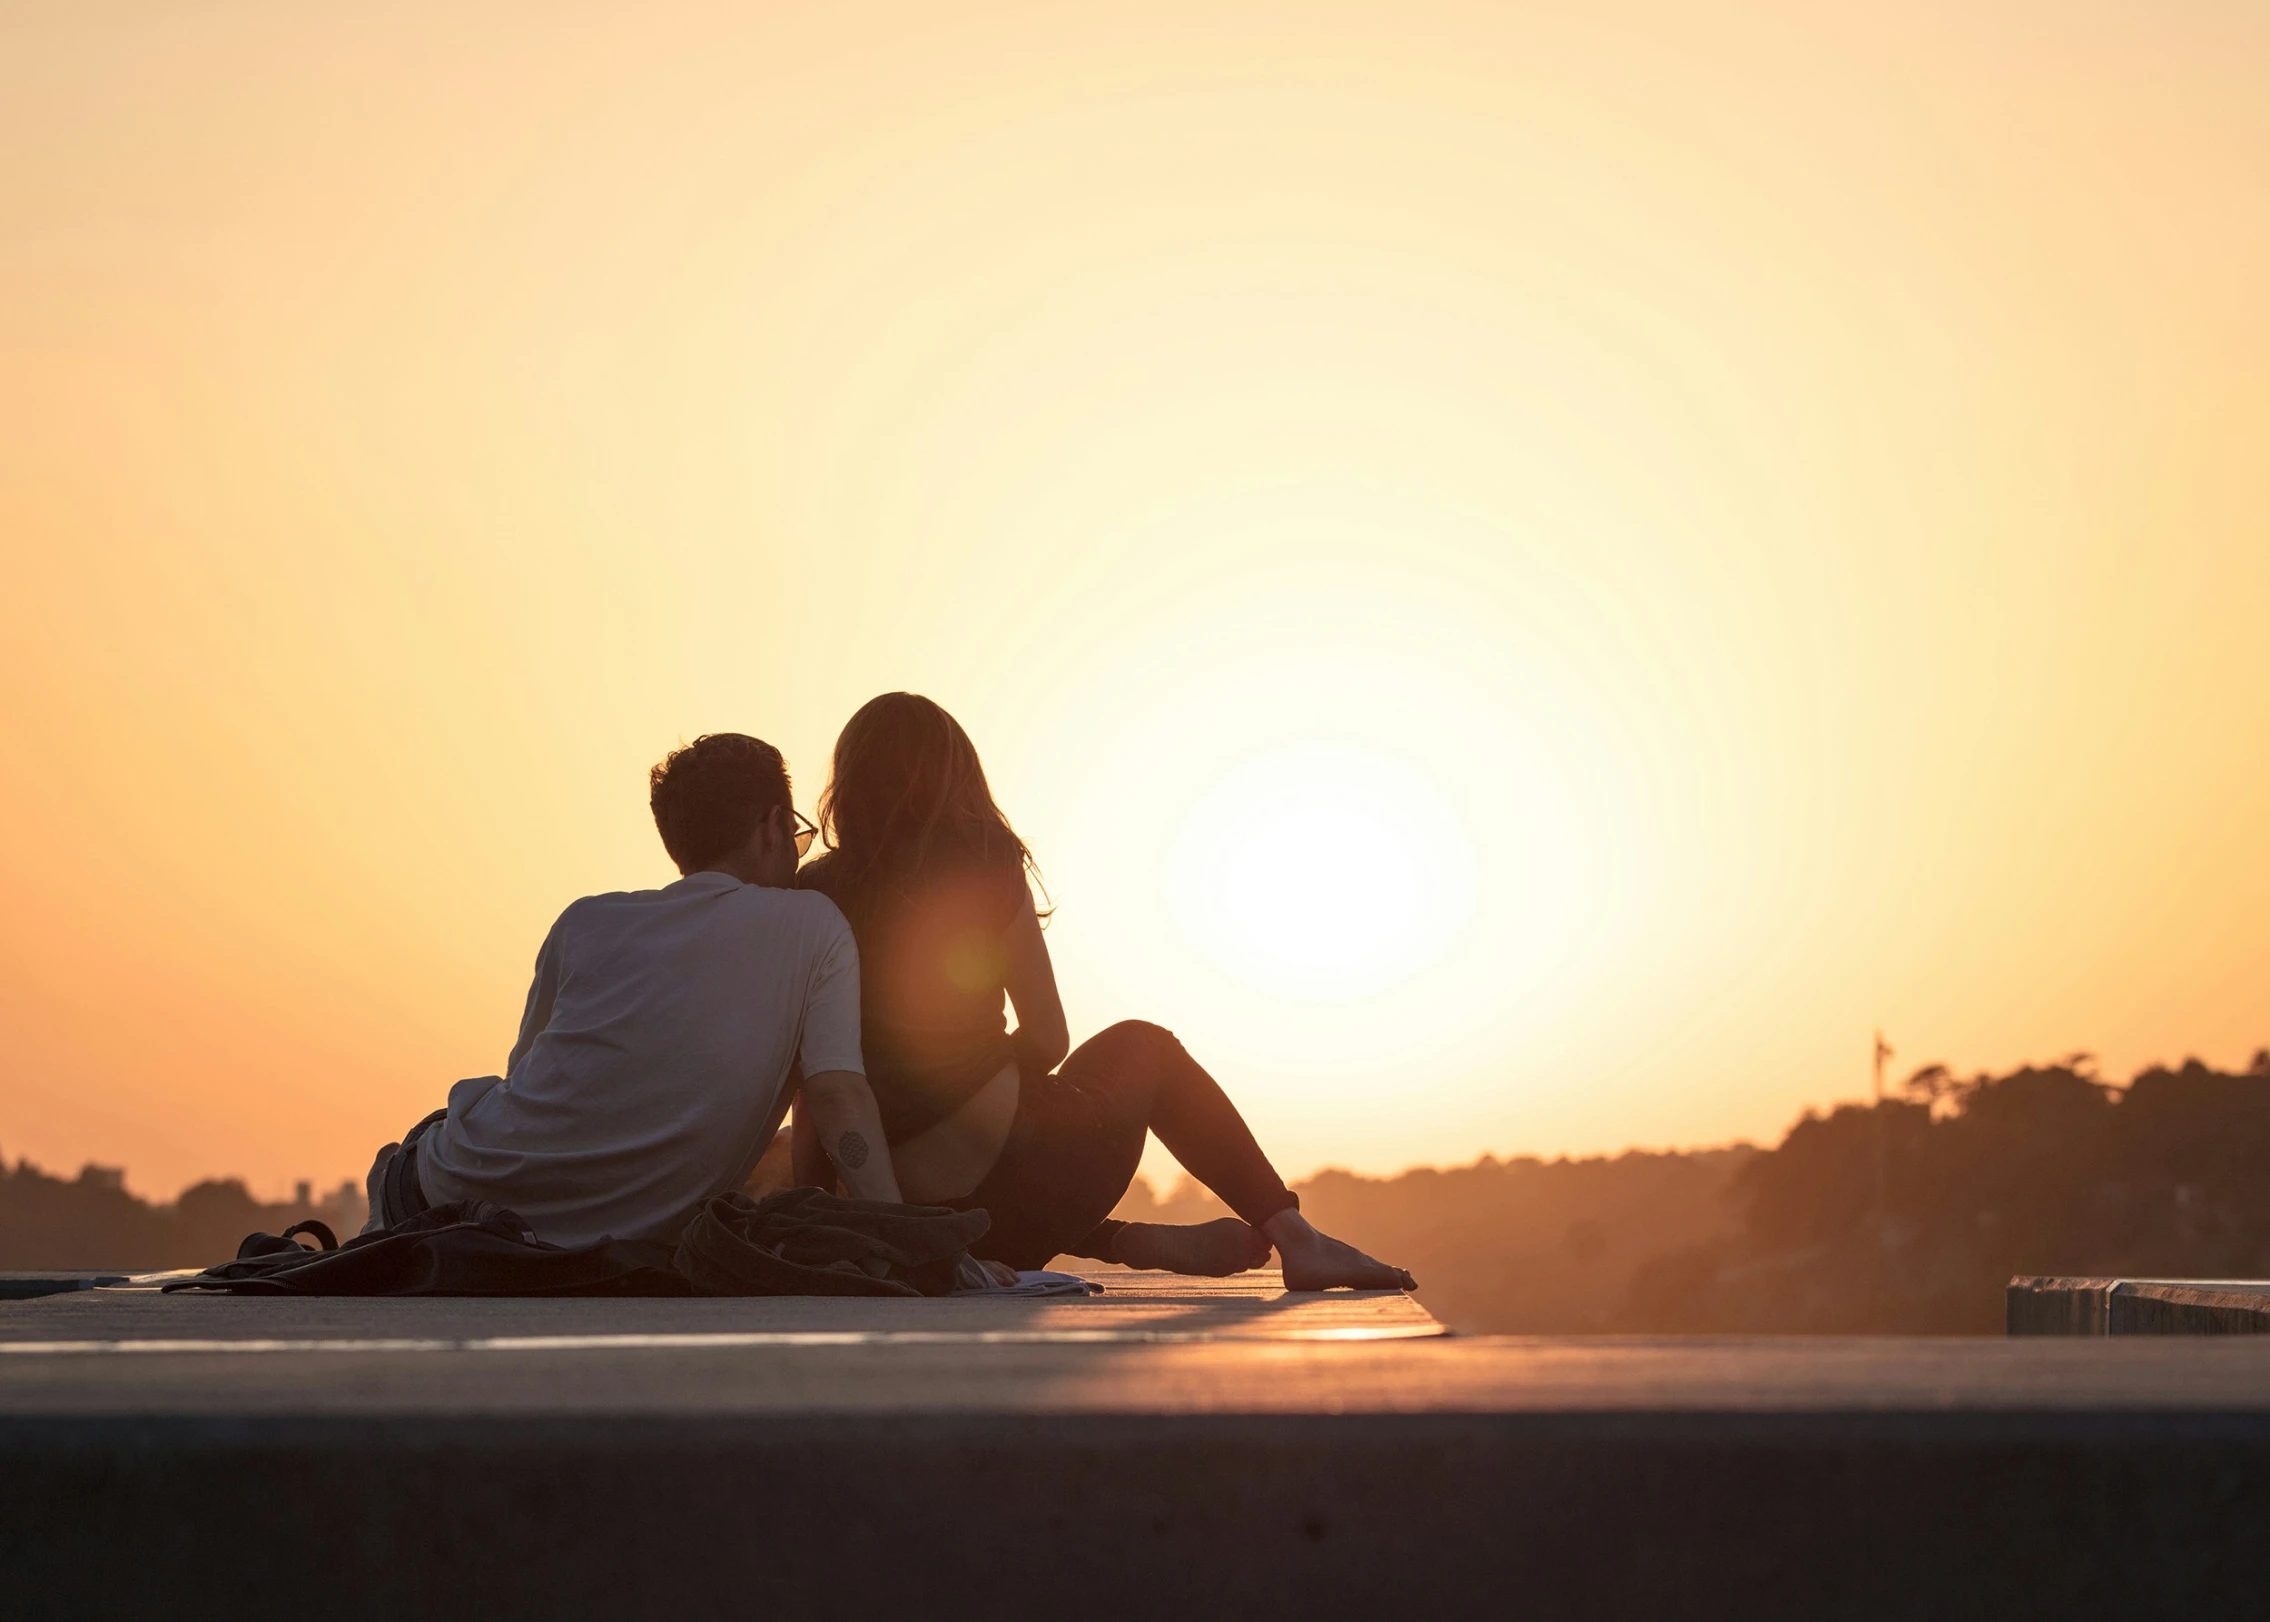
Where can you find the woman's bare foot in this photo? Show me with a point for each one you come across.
(1211, 1249)
(1317, 1261)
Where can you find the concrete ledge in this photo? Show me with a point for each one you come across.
(1170, 1451)
(2056, 1306)
(2108, 1306)
(1689, 1514)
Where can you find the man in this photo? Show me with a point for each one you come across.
(664, 1032)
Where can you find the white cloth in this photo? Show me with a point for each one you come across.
(653, 1058)
(1039, 1281)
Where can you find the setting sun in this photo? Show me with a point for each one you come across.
(1322, 872)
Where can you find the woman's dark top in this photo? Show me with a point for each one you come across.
(933, 963)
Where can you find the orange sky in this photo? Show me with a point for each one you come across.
(1532, 573)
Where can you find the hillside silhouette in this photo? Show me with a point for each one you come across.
(2044, 1170)
(93, 1221)
(1907, 1217)
(1522, 1246)
(2048, 1169)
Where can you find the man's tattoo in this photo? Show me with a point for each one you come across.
(851, 1151)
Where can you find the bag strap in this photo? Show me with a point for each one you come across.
(327, 1240)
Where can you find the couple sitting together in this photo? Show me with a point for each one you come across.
(669, 1032)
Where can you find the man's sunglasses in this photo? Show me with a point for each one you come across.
(805, 832)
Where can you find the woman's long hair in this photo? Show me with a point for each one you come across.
(907, 793)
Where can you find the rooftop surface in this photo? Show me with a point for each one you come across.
(1153, 1343)
(1175, 1447)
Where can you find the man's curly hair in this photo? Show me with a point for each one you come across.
(709, 796)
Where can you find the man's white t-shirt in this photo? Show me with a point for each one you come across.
(653, 1059)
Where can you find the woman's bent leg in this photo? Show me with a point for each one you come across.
(1068, 1160)
(1078, 1137)
(1195, 1119)
(1148, 1075)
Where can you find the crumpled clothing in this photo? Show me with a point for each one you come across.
(1042, 1282)
(804, 1241)
(466, 1247)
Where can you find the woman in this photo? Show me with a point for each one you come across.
(933, 880)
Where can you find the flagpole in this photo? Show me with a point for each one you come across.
(1883, 1052)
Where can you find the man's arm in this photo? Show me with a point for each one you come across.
(835, 1095)
(850, 1130)
(806, 1158)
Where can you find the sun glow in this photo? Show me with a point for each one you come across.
(1344, 838)
(1321, 871)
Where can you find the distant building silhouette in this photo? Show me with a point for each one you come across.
(92, 1221)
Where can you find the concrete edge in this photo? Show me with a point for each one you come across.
(1594, 1514)
(2036, 1305)
(2131, 1306)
